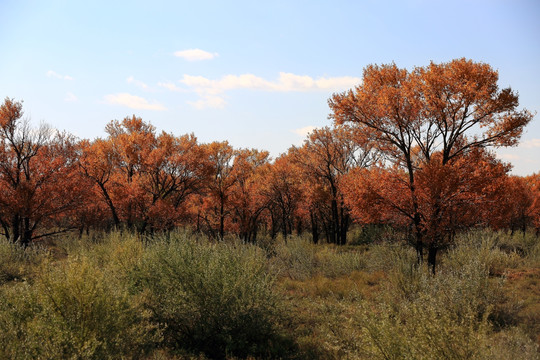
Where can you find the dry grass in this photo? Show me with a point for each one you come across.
(367, 301)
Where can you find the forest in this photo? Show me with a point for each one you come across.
(392, 233)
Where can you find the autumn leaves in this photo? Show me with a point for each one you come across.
(408, 148)
(433, 126)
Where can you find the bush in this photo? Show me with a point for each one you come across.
(295, 258)
(388, 257)
(334, 262)
(299, 259)
(16, 261)
(214, 298)
(74, 310)
(485, 247)
(18, 306)
(461, 313)
(421, 316)
(373, 233)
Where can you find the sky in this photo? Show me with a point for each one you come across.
(255, 73)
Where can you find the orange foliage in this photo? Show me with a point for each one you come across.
(39, 185)
(143, 178)
(409, 148)
(326, 156)
(428, 123)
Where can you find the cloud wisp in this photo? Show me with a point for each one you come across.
(56, 75)
(209, 102)
(133, 102)
(138, 83)
(530, 144)
(171, 86)
(286, 82)
(305, 131)
(509, 157)
(70, 97)
(195, 55)
(211, 90)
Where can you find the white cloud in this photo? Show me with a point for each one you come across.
(305, 131)
(285, 83)
(195, 54)
(54, 74)
(208, 89)
(70, 97)
(508, 157)
(170, 86)
(133, 102)
(530, 144)
(132, 80)
(209, 102)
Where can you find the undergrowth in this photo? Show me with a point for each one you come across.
(181, 295)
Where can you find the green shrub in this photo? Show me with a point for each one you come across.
(300, 259)
(372, 233)
(16, 261)
(512, 344)
(485, 247)
(389, 256)
(74, 310)
(334, 262)
(215, 298)
(422, 329)
(18, 307)
(447, 316)
(295, 258)
(117, 253)
(461, 313)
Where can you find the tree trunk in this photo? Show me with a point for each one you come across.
(314, 228)
(15, 228)
(109, 202)
(419, 251)
(27, 238)
(221, 221)
(344, 227)
(284, 223)
(273, 227)
(432, 258)
(335, 222)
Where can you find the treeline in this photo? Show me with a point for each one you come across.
(138, 179)
(408, 149)
(144, 181)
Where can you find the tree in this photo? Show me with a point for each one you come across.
(448, 109)
(326, 156)
(281, 189)
(534, 209)
(247, 202)
(219, 185)
(512, 210)
(96, 162)
(144, 178)
(38, 177)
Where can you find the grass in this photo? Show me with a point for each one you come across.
(182, 296)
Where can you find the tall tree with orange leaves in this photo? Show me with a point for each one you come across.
(38, 177)
(534, 209)
(282, 192)
(218, 186)
(97, 164)
(144, 178)
(247, 201)
(326, 156)
(512, 210)
(431, 117)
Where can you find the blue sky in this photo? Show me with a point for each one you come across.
(257, 74)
